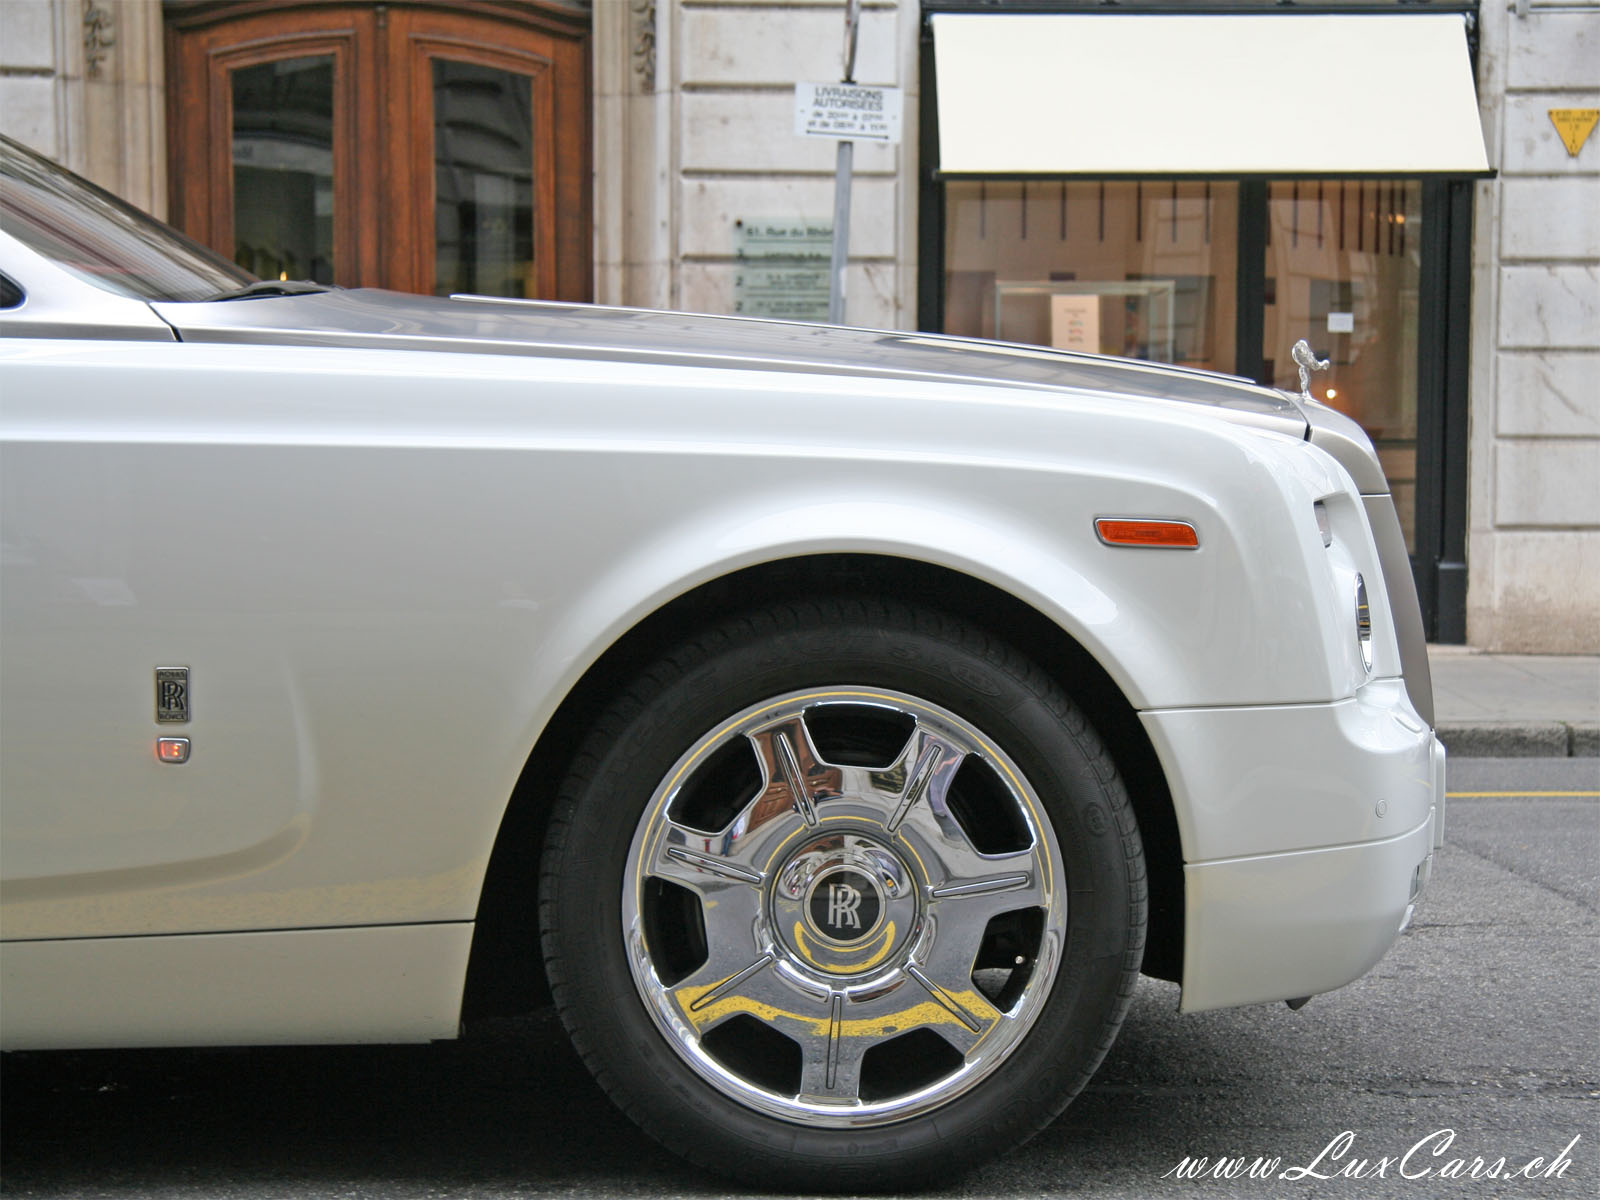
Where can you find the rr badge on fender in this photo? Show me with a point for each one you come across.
(172, 695)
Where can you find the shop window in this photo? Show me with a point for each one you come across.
(1150, 269)
(1144, 269)
(1344, 271)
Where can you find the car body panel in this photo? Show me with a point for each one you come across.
(389, 536)
(395, 983)
(1308, 921)
(261, 524)
(1400, 590)
(481, 324)
(57, 304)
(1279, 778)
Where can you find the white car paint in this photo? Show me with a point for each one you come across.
(386, 566)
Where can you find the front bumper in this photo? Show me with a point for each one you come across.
(1308, 834)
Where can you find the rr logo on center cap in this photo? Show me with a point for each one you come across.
(845, 905)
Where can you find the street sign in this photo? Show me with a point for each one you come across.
(786, 293)
(1574, 125)
(848, 112)
(781, 268)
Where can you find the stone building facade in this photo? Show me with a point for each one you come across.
(694, 135)
(85, 85)
(1534, 458)
(691, 123)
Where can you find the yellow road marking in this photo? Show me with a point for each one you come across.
(1501, 795)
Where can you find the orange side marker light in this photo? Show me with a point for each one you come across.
(1160, 535)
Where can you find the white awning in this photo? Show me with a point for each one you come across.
(1268, 94)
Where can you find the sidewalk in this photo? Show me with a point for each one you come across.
(1516, 705)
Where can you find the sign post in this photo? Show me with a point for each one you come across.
(846, 112)
(843, 169)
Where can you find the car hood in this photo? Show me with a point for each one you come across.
(480, 324)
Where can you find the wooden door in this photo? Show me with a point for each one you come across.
(429, 147)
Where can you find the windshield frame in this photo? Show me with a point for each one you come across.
(102, 240)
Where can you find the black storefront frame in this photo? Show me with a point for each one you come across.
(1438, 562)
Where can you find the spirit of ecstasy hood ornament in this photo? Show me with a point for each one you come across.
(1305, 358)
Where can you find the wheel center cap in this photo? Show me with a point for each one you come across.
(844, 905)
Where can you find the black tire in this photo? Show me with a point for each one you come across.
(832, 992)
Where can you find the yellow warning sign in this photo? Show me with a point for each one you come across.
(1574, 125)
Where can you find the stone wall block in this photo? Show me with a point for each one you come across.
(736, 6)
(749, 132)
(1532, 146)
(785, 46)
(1548, 395)
(27, 36)
(1553, 50)
(710, 207)
(1550, 218)
(1548, 483)
(28, 112)
(1535, 592)
(1552, 306)
(869, 291)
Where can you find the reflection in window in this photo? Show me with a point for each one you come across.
(99, 238)
(1343, 271)
(1149, 269)
(1146, 268)
(283, 168)
(483, 163)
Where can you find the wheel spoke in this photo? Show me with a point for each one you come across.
(706, 864)
(923, 814)
(1008, 882)
(925, 999)
(832, 1058)
(960, 912)
(963, 1005)
(928, 764)
(751, 986)
(729, 890)
(947, 851)
(713, 993)
(701, 861)
(796, 779)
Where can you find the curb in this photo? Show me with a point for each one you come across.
(1520, 739)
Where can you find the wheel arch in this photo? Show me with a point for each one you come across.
(506, 972)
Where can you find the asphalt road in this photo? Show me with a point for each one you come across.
(1484, 1021)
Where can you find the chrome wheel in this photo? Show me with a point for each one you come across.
(804, 895)
(844, 906)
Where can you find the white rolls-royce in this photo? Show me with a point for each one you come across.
(833, 722)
